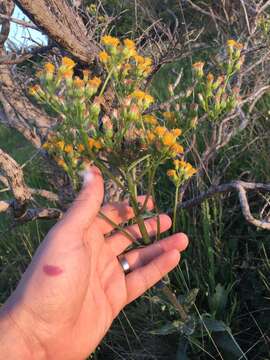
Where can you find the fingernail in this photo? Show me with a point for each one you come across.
(87, 175)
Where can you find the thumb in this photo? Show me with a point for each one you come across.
(87, 204)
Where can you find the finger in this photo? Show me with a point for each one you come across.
(87, 204)
(142, 279)
(140, 257)
(119, 213)
(119, 241)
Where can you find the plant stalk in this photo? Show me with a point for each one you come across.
(175, 207)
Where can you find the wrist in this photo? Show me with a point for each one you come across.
(15, 342)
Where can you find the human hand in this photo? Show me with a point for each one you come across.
(75, 286)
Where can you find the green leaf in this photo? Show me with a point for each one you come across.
(218, 301)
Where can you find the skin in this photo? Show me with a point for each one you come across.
(75, 287)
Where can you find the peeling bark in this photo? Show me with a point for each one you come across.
(61, 23)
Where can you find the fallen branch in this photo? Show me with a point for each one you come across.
(13, 177)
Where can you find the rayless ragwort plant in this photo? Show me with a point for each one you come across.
(132, 143)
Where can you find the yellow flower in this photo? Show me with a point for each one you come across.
(149, 99)
(190, 171)
(68, 63)
(176, 163)
(142, 97)
(68, 149)
(182, 164)
(60, 145)
(60, 162)
(148, 61)
(171, 173)
(177, 149)
(46, 146)
(169, 139)
(150, 119)
(98, 144)
(92, 143)
(67, 74)
(143, 64)
(198, 65)
(34, 90)
(160, 130)
(110, 41)
(86, 74)
(95, 82)
(150, 136)
(81, 148)
(176, 132)
(130, 44)
(49, 68)
(234, 44)
(138, 94)
(103, 57)
(78, 83)
(139, 59)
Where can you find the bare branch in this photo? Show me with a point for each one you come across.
(46, 194)
(17, 58)
(4, 205)
(14, 175)
(19, 22)
(241, 187)
(42, 213)
(6, 8)
(205, 12)
(264, 7)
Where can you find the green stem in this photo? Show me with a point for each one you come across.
(175, 207)
(150, 187)
(136, 209)
(157, 212)
(119, 228)
(106, 82)
(134, 182)
(137, 162)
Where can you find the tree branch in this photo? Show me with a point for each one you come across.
(241, 187)
(62, 24)
(14, 178)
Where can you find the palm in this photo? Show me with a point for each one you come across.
(75, 286)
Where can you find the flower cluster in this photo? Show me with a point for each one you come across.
(68, 156)
(121, 137)
(165, 141)
(213, 92)
(127, 67)
(182, 171)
